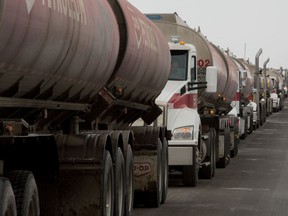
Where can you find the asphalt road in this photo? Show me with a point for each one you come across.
(255, 183)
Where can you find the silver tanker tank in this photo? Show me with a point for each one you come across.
(277, 80)
(247, 78)
(70, 50)
(208, 55)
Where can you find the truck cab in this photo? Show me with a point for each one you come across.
(183, 120)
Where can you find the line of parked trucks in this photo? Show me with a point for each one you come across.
(213, 100)
(99, 104)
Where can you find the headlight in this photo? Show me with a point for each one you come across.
(183, 133)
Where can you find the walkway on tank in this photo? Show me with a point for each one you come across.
(254, 183)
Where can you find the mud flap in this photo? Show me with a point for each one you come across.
(147, 167)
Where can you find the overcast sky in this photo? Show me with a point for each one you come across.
(234, 24)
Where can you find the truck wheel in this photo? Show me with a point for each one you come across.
(251, 127)
(213, 145)
(119, 183)
(7, 199)
(234, 151)
(207, 170)
(129, 190)
(153, 199)
(244, 135)
(165, 168)
(107, 185)
(26, 192)
(223, 162)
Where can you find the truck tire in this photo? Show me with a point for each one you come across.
(213, 145)
(165, 169)
(234, 151)
(129, 190)
(251, 127)
(223, 162)
(26, 192)
(153, 198)
(7, 198)
(119, 174)
(244, 135)
(107, 194)
(208, 170)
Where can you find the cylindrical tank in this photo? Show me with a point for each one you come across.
(65, 44)
(247, 80)
(277, 79)
(250, 67)
(58, 50)
(145, 61)
(207, 54)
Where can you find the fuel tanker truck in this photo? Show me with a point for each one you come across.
(242, 102)
(276, 90)
(201, 86)
(261, 101)
(74, 76)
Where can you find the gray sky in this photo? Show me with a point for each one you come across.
(232, 24)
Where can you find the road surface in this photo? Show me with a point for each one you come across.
(255, 183)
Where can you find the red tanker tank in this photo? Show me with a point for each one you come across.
(56, 43)
(70, 50)
(74, 75)
(144, 69)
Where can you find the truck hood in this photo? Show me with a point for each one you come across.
(171, 88)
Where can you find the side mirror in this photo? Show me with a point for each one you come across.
(211, 79)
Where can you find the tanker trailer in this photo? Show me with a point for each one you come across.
(242, 99)
(259, 99)
(74, 75)
(269, 89)
(277, 89)
(197, 110)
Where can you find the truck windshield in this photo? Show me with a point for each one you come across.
(179, 60)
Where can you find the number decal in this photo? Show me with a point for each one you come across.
(204, 63)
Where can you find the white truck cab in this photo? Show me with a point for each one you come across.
(183, 120)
